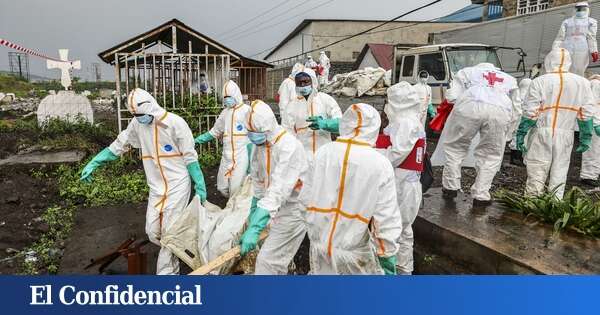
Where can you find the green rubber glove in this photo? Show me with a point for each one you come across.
(100, 159)
(328, 124)
(198, 179)
(431, 110)
(258, 220)
(524, 127)
(253, 205)
(204, 138)
(249, 148)
(597, 130)
(586, 127)
(388, 264)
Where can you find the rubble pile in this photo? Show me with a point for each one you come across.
(368, 81)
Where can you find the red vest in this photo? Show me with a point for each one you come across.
(414, 160)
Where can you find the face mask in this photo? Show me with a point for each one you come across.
(304, 90)
(257, 138)
(229, 101)
(144, 119)
(581, 14)
(423, 80)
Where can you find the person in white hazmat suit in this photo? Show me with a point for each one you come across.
(352, 216)
(424, 92)
(170, 163)
(277, 169)
(516, 156)
(557, 101)
(483, 99)
(406, 153)
(310, 63)
(287, 90)
(590, 159)
(230, 127)
(577, 34)
(313, 115)
(326, 65)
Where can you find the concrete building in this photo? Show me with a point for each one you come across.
(312, 34)
(521, 7)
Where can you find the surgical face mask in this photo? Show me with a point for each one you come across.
(257, 138)
(229, 101)
(581, 13)
(423, 80)
(144, 119)
(304, 90)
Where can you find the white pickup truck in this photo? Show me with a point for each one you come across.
(443, 61)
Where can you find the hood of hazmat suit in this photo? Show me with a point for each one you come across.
(277, 171)
(407, 136)
(167, 147)
(301, 108)
(557, 100)
(352, 213)
(231, 129)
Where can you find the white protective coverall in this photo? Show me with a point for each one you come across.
(424, 93)
(481, 104)
(231, 129)
(405, 129)
(518, 113)
(578, 36)
(556, 100)
(317, 104)
(277, 170)
(590, 159)
(167, 147)
(287, 90)
(326, 64)
(310, 63)
(352, 213)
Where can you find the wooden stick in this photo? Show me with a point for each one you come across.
(223, 259)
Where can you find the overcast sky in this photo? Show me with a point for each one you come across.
(88, 27)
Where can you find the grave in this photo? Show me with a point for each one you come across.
(66, 105)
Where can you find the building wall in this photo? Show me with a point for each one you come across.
(510, 6)
(294, 45)
(348, 50)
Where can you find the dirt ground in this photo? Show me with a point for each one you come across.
(23, 199)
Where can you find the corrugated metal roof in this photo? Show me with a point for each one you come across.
(470, 13)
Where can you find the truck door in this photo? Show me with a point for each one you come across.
(434, 64)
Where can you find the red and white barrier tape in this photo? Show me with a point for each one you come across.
(9, 44)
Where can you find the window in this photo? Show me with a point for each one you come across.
(355, 54)
(408, 66)
(434, 65)
(462, 57)
(531, 6)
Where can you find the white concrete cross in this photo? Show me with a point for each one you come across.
(65, 66)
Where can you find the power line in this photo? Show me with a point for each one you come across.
(289, 19)
(369, 30)
(256, 17)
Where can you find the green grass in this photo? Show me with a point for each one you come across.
(577, 211)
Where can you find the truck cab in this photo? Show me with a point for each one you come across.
(442, 62)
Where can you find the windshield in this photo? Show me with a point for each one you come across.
(467, 57)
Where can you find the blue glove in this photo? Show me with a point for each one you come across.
(198, 179)
(319, 123)
(249, 147)
(524, 127)
(431, 110)
(258, 220)
(597, 130)
(388, 264)
(101, 158)
(253, 205)
(586, 128)
(204, 138)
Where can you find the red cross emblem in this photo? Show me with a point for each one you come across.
(492, 79)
